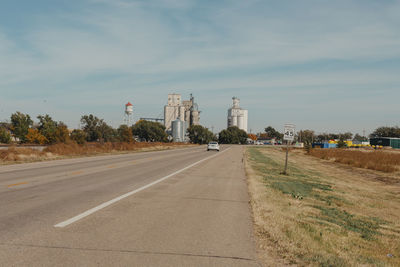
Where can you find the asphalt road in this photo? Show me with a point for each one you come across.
(184, 207)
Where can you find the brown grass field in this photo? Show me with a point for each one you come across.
(323, 213)
(374, 160)
(60, 151)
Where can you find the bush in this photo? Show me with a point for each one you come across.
(125, 134)
(78, 136)
(34, 137)
(5, 136)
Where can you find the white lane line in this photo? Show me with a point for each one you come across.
(112, 201)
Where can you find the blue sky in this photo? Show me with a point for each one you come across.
(330, 66)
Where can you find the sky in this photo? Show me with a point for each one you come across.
(329, 66)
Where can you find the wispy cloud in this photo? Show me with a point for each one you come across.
(145, 49)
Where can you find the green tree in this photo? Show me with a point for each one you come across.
(386, 132)
(341, 143)
(20, 123)
(307, 137)
(125, 133)
(233, 135)
(199, 134)
(47, 127)
(55, 132)
(91, 126)
(272, 133)
(5, 136)
(346, 136)
(359, 138)
(79, 136)
(107, 133)
(150, 131)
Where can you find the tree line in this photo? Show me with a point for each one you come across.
(93, 129)
(48, 131)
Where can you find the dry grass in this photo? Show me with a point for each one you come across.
(322, 214)
(14, 154)
(18, 154)
(373, 160)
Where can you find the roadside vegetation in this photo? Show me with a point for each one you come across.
(322, 214)
(59, 151)
(233, 135)
(94, 137)
(373, 160)
(200, 135)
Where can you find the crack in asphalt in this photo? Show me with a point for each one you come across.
(132, 251)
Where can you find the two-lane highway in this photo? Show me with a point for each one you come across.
(183, 207)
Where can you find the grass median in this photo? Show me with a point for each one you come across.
(321, 213)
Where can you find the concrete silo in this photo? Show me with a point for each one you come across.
(237, 116)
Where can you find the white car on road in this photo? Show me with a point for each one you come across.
(212, 146)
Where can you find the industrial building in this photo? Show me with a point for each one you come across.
(187, 112)
(237, 116)
(385, 141)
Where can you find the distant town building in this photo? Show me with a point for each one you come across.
(186, 111)
(237, 116)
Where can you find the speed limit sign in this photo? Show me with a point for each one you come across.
(288, 135)
(288, 132)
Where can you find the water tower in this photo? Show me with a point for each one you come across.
(128, 113)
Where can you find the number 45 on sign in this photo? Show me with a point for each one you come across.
(288, 132)
(288, 135)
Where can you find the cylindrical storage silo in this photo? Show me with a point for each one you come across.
(183, 130)
(234, 120)
(177, 130)
(240, 122)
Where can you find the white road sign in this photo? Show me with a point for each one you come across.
(288, 132)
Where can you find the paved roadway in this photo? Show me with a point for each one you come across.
(199, 216)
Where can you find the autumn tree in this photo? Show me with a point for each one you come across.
(35, 137)
(252, 136)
